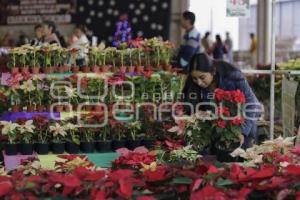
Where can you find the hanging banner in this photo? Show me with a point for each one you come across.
(238, 8)
(36, 11)
(289, 89)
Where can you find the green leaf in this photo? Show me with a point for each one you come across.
(209, 177)
(182, 180)
(223, 182)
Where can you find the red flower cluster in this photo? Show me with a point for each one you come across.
(235, 96)
(134, 160)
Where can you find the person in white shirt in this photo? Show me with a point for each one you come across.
(82, 44)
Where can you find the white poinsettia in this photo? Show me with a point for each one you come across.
(283, 144)
(28, 127)
(57, 130)
(28, 86)
(71, 92)
(8, 127)
(70, 127)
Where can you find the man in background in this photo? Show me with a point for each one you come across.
(229, 47)
(206, 42)
(253, 49)
(191, 40)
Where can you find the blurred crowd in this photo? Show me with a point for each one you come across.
(47, 33)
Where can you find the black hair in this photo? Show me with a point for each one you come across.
(189, 16)
(82, 28)
(207, 34)
(37, 26)
(202, 62)
(218, 39)
(252, 34)
(50, 24)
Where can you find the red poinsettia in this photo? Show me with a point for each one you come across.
(221, 123)
(208, 192)
(237, 121)
(238, 97)
(159, 174)
(223, 111)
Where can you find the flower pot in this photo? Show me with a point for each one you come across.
(149, 144)
(132, 144)
(168, 68)
(42, 149)
(140, 69)
(131, 69)
(16, 108)
(148, 68)
(30, 108)
(35, 70)
(25, 70)
(88, 108)
(75, 69)
(67, 68)
(72, 148)
(14, 70)
(68, 108)
(58, 148)
(26, 149)
(40, 108)
(47, 70)
(96, 69)
(117, 144)
(11, 149)
(224, 155)
(59, 108)
(114, 70)
(87, 147)
(86, 69)
(123, 69)
(103, 146)
(105, 69)
(97, 108)
(61, 69)
(48, 108)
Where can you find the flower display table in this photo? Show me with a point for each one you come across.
(102, 160)
(13, 116)
(12, 162)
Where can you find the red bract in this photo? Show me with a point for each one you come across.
(221, 123)
(293, 170)
(117, 80)
(238, 97)
(160, 174)
(223, 111)
(121, 174)
(5, 188)
(208, 192)
(173, 145)
(237, 121)
(219, 94)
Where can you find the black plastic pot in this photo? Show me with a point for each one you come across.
(224, 155)
(149, 144)
(58, 148)
(72, 148)
(103, 146)
(87, 147)
(11, 149)
(42, 149)
(26, 149)
(132, 144)
(117, 144)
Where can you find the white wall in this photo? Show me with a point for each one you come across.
(211, 16)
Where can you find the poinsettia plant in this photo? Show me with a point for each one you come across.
(134, 129)
(26, 130)
(58, 132)
(9, 130)
(72, 133)
(228, 125)
(41, 124)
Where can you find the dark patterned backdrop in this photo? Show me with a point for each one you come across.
(148, 18)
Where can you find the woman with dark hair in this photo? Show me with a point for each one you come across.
(49, 33)
(81, 43)
(206, 75)
(218, 49)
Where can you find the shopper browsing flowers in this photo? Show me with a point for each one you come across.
(205, 76)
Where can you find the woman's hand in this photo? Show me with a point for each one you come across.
(242, 139)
